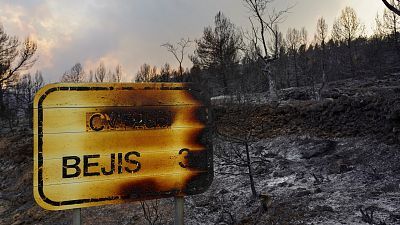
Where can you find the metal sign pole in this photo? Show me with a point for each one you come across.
(77, 217)
(179, 203)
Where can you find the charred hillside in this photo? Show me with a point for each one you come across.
(351, 108)
(333, 161)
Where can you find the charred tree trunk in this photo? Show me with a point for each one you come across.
(271, 83)
(323, 84)
(2, 105)
(224, 83)
(253, 187)
(351, 59)
(296, 70)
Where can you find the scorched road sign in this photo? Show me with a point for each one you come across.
(98, 144)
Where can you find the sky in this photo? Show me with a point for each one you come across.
(131, 32)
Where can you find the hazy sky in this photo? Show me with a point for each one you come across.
(130, 32)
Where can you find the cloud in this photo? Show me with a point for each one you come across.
(41, 23)
(131, 32)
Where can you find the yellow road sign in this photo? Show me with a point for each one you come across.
(97, 144)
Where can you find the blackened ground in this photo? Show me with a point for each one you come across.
(370, 107)
(307, 180)
(334, 161)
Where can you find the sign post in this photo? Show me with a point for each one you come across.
(179, 210)
(77, 218)
(109, 143)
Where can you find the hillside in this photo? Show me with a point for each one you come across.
(333, 161)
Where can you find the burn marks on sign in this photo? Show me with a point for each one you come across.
(198, 182)
(144, 188)
(194, 160)
(146, 118)
(168, 186)
(127, 107)
(129, 119)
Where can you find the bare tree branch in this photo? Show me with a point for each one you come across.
(25, 62)
(100, 73)
(392, 7)
(151, 211)
(267, 22)
(178, 52)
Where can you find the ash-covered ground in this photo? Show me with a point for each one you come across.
(308, 180)
(335, 161)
